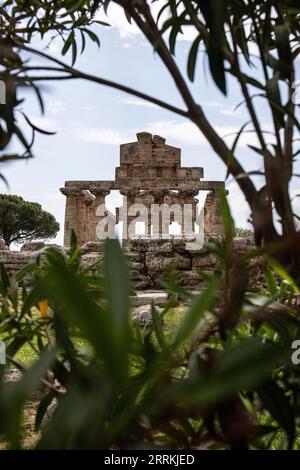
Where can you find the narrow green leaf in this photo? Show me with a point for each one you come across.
(216, 64)
(92, 36)
(227, 219)
(282, 272)
(275, 400)
(67, 44)
(36, 128)
(116, 280)
(199, 306)
(192, 58)
(271, 282)
(74, 50)
(241, 367)
(273, 94)
(282, 32)
(4, 280)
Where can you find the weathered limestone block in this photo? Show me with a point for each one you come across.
(91, 260)
(201, 251)
(179, 245)
(160, 246)
(33, 246)
(3, 247)
(143, 316)
(204, 261)
(138, 245)
(241, 245)
(16, 260)
(92, 247)
(138, 257)
(189, 279)
(136, 266)
(142, 282)
(159, 262)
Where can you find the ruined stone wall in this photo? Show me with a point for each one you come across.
(149, 260)
(16, 260)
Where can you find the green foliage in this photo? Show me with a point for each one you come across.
(22, 220)
(243, 232)
(210, 382)
(20, 23)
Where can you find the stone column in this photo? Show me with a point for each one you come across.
(189, 212)
(100, 196)
(213, 222)
(129, 196)
(70, 214)
(160, 226)
(148, 224)
(82, 222)
(85, 216)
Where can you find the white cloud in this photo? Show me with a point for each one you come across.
(137, 102)
(171, 130)
(174, 131)
(117, 19)
(55, 106)
(104, 136)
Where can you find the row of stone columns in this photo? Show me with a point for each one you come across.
(158, 198)
(81, 212)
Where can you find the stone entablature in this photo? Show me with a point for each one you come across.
(150, 173)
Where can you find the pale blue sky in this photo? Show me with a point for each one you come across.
(92, 121)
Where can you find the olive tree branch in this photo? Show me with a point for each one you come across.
(74, 73)
(195, 112)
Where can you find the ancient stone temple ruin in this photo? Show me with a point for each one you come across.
(150, 174)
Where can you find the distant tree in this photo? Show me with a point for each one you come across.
(22, 220)
(243, 232)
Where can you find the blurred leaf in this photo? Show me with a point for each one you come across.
(67, 44)
(17, 394)
(271, 282)
(240, 367)
(42, 409)
(4, 280)
(92, 36)
(275, 400)
(282, 32)
(192, 58)
(216, 64)
(202, 304)
(227, 219)
(273, 94)
(282, 272)
(36, 128)
(116, 281)
(70, 292)
(233, 148)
